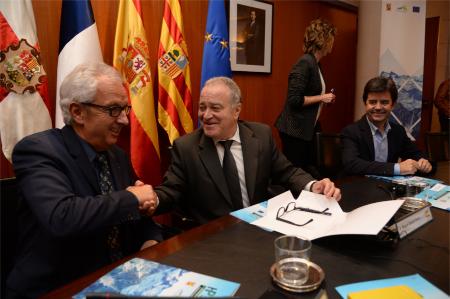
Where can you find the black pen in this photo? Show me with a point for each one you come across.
(332, 91)
(314, 211)
(258, 215)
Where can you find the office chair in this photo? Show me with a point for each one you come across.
(437, 146)
(8, 227)
(328, 154)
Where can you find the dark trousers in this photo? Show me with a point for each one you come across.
(444, 121)
(301, 153)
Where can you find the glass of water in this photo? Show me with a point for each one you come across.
(291, 253)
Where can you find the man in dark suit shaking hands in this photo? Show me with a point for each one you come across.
(80, 206)
(373, 145)
(199, 179)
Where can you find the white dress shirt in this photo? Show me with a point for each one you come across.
(236, 151)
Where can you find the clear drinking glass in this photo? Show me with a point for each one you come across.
(291, 253)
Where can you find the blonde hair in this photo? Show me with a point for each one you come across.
(318, 35)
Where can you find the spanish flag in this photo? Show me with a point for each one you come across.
(132, 59)
(175, 99)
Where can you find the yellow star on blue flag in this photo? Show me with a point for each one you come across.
(224, 43)
(216, 53)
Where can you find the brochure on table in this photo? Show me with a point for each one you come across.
(438, 196)
(251, 213)
(365, 220)
(408, 180)
(436, 193)
(416, 282)
(139, 277)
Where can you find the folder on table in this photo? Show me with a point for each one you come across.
(394, 292)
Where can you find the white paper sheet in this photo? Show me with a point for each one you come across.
(367, 220)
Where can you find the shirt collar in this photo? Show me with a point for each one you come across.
(88, 149)
(374, 129)
(236, 137)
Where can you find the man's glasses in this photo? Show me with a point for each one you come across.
(113, 111)
(291, 207)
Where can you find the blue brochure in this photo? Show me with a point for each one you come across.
(410, 180)
(436, 193)
(251, 213)
(415, 282)
(139, 277)
(438, 196)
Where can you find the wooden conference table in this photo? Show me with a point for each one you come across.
(234, 250)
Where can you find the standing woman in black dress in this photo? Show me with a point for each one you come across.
(306, 95)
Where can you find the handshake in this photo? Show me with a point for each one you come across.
(148, 200)
(411, 166)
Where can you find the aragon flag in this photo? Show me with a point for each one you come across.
(132, 58)
(175, 99)
(24, 102)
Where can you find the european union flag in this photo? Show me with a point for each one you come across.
(216, 51)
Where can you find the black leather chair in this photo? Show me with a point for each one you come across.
(8, 227)
(328, 154)
(437, 146)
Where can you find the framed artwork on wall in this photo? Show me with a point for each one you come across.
(251, 36)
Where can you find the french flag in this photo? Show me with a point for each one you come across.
(78, 43)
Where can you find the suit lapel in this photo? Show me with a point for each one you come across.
(250, 148)
(367, 133)
(74, 147)
(210, 159)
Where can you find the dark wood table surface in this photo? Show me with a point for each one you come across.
(234, 250)
(443, 172)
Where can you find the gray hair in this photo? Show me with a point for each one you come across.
(81, 85)
(235, 92)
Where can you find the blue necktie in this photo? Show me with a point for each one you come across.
(106, 187)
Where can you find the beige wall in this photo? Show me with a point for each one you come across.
(438, 8)
(368, 49)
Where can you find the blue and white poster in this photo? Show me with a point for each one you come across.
(401, 58)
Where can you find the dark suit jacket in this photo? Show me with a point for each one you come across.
(358, 151)
(254, 44)
(63, 219)
(304, 80)
(195, 182)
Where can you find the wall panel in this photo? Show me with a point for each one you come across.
(340, 69)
